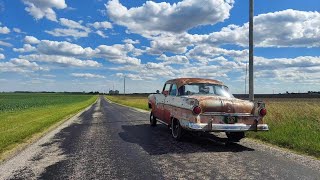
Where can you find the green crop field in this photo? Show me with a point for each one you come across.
(293, 123)
(24, 115)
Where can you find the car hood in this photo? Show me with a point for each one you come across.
(224, 104)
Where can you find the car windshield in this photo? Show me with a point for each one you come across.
(205, 89)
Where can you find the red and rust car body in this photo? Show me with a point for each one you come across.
(207, 112)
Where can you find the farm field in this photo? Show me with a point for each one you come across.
(23, 115)
(294, 123)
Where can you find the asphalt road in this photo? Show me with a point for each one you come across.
(109, 141)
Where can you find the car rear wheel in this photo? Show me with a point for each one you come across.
(176, 129)
(235, 136)
(153, 120)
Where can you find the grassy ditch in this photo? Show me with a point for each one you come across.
(293, 123)
(140, 102)
(24, 115)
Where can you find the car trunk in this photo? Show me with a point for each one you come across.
(223, 104)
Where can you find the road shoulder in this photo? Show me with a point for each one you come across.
(20, 157)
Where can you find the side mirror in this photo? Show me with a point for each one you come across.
(165, 93)
(158, 92)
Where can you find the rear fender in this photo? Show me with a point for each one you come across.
(258, 105)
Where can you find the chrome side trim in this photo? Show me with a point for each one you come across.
(162, 122)
(226, 114)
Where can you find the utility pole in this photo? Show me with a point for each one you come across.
(251, 86)
(124, 85)
(245, 79)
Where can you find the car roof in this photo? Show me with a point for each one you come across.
(183, 81)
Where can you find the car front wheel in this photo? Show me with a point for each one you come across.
(153, 120)
(176, 129)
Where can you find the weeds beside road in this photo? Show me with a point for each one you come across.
(293, 123)
(140, 102)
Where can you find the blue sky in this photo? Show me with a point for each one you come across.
(68, 45)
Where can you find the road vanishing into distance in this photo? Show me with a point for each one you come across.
(109, 141)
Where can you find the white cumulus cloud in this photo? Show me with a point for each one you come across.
(44, 8)
(100, 33)
(102, 25)
(178, 59)
(135, 77)
(17, 30)
(3, 43)
(72, 24)
(130, 41)
(31, 40)
(20, 66)
(205, 53)
(154, 18)
(87, 75)
(117, 53)
(26, 48)
(4, 30)
(61, 32)
(287, 28)
(62, 60)
(63, 48)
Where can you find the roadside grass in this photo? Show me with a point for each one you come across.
(31, 114)
(140, 102)
(293, 123)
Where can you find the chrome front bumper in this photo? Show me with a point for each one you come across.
(238, 127)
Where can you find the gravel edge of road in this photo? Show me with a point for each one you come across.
(303, 159)
(22, 157)
(10, 154)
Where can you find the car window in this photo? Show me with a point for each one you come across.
(167, 87)
(205, 89)
(173, 91)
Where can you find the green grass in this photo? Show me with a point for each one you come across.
(21, 101)
(293, 123)
(140, 102)
(24, 115)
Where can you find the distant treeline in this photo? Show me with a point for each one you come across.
(289, 95)
(65, 92)
(310, 94)
(246, 96)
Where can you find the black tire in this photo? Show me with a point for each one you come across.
(176, 130)
(235, 136)
(153, 120)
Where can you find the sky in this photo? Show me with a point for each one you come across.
(92, 45)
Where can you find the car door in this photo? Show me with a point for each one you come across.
(169, 100)
(160, 100)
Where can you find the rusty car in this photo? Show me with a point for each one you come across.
(205, 105)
